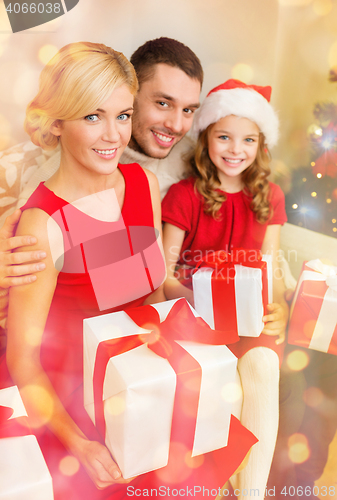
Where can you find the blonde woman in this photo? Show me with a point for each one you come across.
(81, 218)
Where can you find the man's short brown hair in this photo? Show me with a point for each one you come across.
(165, 51)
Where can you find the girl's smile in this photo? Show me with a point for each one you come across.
(232, 147)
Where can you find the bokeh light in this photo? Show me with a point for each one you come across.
(153, 335)
(297, 360)
(243, 72)
(298, 448)
(112, 332)
(314, 194)
(43, 401)
(231, 392)
(46, 53)
(313, 397)
(327, 144)
(322, 7)
(294, 206)
(328, 200)
(115, 405)
(319, 176)
(177, 469)
(69, 465)
(194, 462)
(314, 129)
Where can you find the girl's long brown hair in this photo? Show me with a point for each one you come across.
(254, 179)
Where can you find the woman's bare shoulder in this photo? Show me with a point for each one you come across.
(33, 222)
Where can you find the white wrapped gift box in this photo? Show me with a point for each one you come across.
(249, 307)
(23, 472)
(139, 391)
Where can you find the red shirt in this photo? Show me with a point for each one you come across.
(237, 226)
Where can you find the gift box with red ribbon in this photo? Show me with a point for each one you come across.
(313, 314)
(154, 375)
(231, 290)
(23, 472)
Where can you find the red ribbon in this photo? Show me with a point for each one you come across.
(14, 427)
(180, 324)
(223, 283)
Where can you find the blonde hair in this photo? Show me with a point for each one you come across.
(254, 179)
(77, 80)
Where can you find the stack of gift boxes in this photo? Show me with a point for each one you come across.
(140, 365)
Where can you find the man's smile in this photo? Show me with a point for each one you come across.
(161, 138)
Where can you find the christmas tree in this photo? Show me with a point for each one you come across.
(312, 201)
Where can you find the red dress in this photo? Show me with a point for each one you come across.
(236, 227)
(75, 298)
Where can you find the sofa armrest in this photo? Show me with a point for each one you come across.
(299, 244)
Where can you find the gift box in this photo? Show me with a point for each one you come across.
(147, 382)
(23, 472)
(231, 291)
(313, 314)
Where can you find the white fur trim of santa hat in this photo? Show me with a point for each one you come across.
(243, 102)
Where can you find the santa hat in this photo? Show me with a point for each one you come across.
(236, 98)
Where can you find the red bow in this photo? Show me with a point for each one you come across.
(12, 427)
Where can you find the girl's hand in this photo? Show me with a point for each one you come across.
(276, 322)
(100, 466)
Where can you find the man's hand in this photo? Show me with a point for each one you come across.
(16, 268)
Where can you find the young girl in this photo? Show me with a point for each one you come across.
(228, 203)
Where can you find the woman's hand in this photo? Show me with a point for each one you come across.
(99, 464)
(276, 321)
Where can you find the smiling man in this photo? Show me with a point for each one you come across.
(170, 78)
